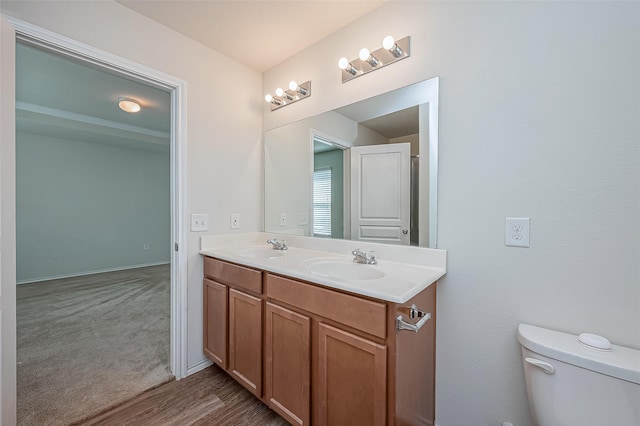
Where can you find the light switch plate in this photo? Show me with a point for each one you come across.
(235, 220)
(304, 219)
(516, 231)
(199, 222)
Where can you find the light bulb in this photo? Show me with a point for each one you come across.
(268, 97)
(364, 54)
(343, 63)
(293, 85)
(388, 42)
(279, 91)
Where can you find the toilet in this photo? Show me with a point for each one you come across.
(579, 380)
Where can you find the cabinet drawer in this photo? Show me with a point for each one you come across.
(361, 314)
(233, 275)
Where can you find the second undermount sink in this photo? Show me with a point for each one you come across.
(344, 270)
(258, 252)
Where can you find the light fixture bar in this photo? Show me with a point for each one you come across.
(296, 92)
(377, 59)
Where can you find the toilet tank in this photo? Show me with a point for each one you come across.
(570, 384)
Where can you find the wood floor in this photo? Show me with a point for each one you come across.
(209, 397)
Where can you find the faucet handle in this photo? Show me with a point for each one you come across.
(371, 257)
(278, 245)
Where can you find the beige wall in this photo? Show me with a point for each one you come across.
(538, 118)
(224, 149)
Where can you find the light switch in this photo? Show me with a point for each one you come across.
(235, 220)
(199, 222)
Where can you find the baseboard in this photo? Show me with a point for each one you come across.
(198, 366)
(80, 274)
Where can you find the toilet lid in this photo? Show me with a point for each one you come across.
(620, 361)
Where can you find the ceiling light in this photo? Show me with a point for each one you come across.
(128, 105)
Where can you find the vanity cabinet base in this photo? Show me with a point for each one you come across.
(287, 363)
(319, 356)
(352, 379)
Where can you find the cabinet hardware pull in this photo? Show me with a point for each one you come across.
(413, 313)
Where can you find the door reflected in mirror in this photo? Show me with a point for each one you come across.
(366, 171)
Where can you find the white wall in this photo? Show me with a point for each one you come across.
(538, 118)
(414, 140)
(224, 149)
(288, 157)
(85, 207)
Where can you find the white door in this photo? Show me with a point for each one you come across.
(7, 224)
(380, 196)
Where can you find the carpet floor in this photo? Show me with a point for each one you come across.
(88, 343)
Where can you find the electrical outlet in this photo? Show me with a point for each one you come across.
(199, 222)
(146, 246)
(283, 219)
(304, 219)
(516, 231)
(235, 220)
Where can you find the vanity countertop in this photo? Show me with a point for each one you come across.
(401, 271)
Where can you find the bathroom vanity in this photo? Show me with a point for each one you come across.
(318, 338)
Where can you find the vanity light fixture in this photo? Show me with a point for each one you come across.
(345, 65)
(294, 87)
(366, 56)
(128, 105)
(390, 52)
(390, 44)
(283, 97)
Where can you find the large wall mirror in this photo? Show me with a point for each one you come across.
(366, 171)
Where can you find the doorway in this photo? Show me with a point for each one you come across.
(175, 91)
(327, 210)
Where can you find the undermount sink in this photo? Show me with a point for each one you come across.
(344, 270)
(258, 252)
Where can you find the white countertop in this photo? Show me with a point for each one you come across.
(401, 271)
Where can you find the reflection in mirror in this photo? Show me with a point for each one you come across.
(366, 171)
(327, 210)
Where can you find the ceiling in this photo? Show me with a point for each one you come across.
(397, 124)
(257, 33)
(63, 97)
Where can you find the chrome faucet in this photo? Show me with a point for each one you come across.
(278, 245)
(360, 256)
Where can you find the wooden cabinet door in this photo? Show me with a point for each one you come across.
(288, 359)
(215, 322)
(352, 379)
(245, 340)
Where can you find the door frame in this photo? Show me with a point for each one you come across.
(177, 87)
(8, 403)
(344, 146)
